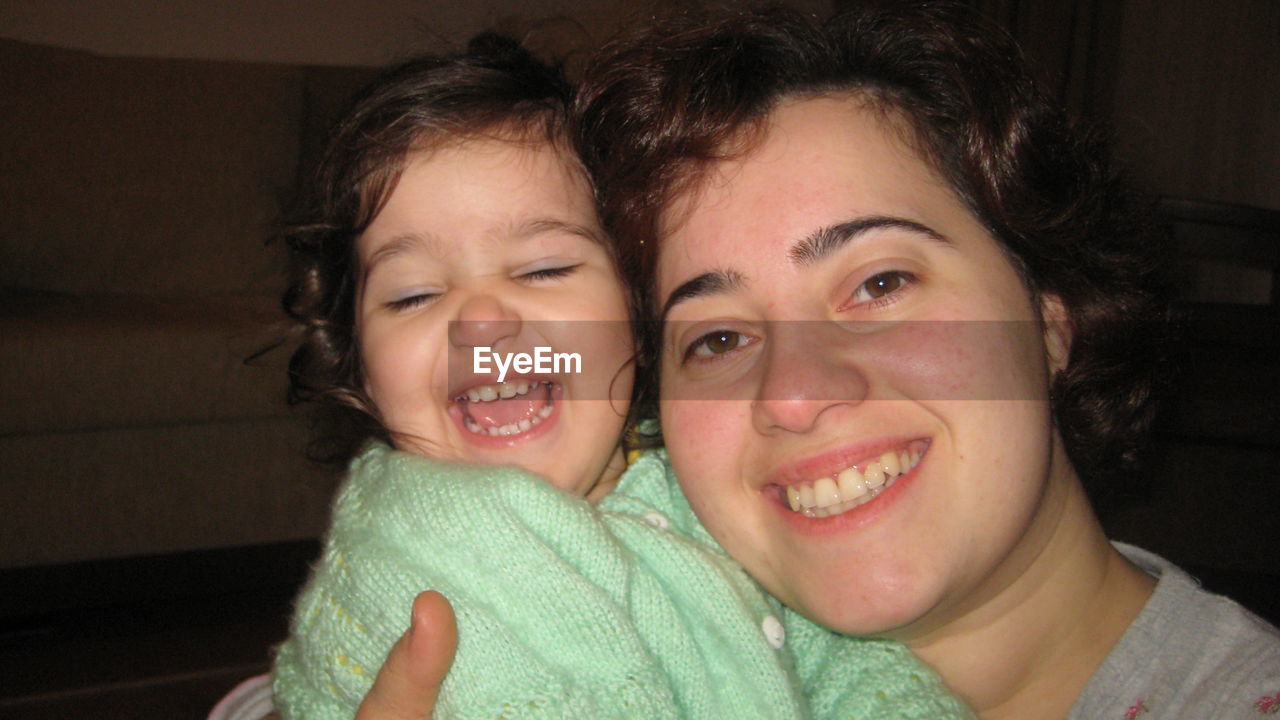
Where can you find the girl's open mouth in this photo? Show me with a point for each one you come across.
(507, 408)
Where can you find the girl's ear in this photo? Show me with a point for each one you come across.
(1057, 332)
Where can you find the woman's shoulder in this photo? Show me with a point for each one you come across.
(1189, 653)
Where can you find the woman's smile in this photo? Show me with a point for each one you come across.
(854, 484)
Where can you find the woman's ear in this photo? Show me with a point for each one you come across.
(1057, 332)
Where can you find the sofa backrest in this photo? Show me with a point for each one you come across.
(141, 175)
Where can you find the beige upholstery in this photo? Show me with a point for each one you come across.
(135, 197)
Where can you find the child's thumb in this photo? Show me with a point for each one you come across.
(409, 681)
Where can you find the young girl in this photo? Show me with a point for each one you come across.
(452, 223)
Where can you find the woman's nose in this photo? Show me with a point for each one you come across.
(483, 320)
(804, 376)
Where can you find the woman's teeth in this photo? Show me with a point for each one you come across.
(851, 487)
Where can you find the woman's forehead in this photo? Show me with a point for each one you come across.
(819, 161)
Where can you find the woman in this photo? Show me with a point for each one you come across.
(878, 237)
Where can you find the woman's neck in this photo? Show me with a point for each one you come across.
(1044, 620)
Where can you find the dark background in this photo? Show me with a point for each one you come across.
(121, 598)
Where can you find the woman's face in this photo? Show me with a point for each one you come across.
(495, 244)
(854, 377)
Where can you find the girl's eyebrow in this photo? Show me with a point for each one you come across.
(820, 243)
(411, 241)
(537, 226)
(397, 245)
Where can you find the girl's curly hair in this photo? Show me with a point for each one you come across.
(493, 88)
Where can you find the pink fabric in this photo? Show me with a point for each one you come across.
(250, 700)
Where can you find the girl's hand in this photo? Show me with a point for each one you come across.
(409, 681)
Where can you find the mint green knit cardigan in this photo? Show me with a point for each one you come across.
(627, 610)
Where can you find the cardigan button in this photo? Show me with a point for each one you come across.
(657, 520)
(774, 633)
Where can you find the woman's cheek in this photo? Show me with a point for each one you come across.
(957, 360)
(688, 425)
(705, 444)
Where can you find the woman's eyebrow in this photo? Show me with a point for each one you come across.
(824, 241)
(708, 283)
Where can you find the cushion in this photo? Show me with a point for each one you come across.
(77, 363)
(142, 175)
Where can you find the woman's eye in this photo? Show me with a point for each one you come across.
(548, 273)
(716, 343)
(882, 284)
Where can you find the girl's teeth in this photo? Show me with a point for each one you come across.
(515, 428)
(488, 393)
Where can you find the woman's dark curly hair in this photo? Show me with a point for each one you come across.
(665, 100)
(495, 88)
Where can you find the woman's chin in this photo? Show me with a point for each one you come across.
(869, 608)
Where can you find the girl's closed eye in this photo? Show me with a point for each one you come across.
(411, 299)
(548, 273)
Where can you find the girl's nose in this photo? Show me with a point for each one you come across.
(483, 321)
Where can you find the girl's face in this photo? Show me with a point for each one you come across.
(855, 378)
(494, 244)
